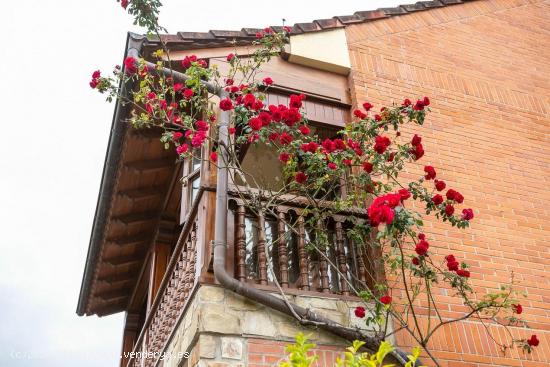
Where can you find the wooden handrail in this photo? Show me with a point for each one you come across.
(185, 232)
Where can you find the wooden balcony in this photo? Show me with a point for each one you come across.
(281, 248)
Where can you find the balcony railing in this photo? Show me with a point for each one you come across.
(282, 247)
(173, 294)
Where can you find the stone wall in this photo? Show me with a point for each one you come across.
(221, 328)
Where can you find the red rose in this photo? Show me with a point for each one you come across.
(130, 65)
(417, 152)
(214, 157)
(419, 106)
(347, 162)
(284, 157)
(421, 236)
(359, 312)
(367, 166)
(452, 265)
(518, 309)
(94, 83)
(360, 114)
(268, 81)
(332, 165)
(230, 57)
(430, 172)
(463, 273)
(404, 193)
(265, 117)
(201, 125)
(182, 149)
(533, 341)
(416, 140)
(467, 214)
(226, 104)
(422, 247)
(296, 100)
(381, 143)
(459, 198)
(176, 136)
(367, 106)
(287, 29)
(188, 60)
(231, 130)
(440, 185)
(300, 177)
(124, 4)
(377, 118)
(255, 123)
(416, 261)
(407, 102)
(285, 138)
(426, 101)
(188, 93)
(304, 129)
(96, 74)
(385, 299)
(449, 210)
(391, 157)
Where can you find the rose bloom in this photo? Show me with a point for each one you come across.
(404, 193)
(518, 309)
(367, 167)
(226, 104)
(182, 149)
(304, 129)
(381, 143)
(449, 210)
(367, 106)
(463, 273)
(385, 299)
(284, 157)
(255, 123)
(230, 57)
(533, 341)
(359, 312)
(440, 185)
(285, 138)
(467, 214)
(416, 140)
(300, 177)
(430, 172)
(416, 261)
(188, 93)
(176, 136)
(268, 81)
(214, 157)
(332, 165)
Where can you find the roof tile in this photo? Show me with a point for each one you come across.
(328, 23)
(350, 19)
(371, 14)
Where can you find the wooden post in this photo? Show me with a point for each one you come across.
(341, 258)
(241, 244)
(283, 257)
(260, 248)
(302, 255)
(159, 262)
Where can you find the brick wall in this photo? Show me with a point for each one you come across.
(486, 67)
(268, 353)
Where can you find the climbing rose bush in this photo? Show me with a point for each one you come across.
(368, 154)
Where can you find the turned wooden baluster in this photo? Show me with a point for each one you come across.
(323, 266)
(361, 268)
(302, 255)
(283, 257)
(260, 250)
(341, 259)
(241, 244)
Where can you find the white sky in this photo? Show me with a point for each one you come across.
(52, 148)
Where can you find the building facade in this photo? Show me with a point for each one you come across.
(485, 65)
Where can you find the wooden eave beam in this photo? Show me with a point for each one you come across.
(136, 239)
(150, 165)
(117, 277)
(110, 296)
(141, 193)
(136, 218)
(125, 260)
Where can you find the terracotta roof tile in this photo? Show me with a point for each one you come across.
(219, 38)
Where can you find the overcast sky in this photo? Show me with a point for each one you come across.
(52, 147)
